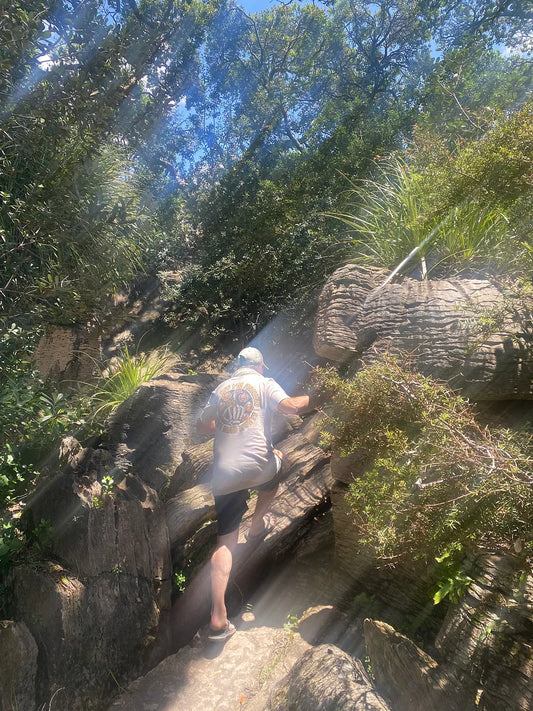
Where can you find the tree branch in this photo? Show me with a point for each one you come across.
(289, 131)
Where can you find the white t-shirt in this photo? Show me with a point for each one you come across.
(242, 407)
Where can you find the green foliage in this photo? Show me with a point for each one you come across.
(489, 179)
(454, 587)
(76, 135)
(433, 477)
(468, 93)
(397, 217)
(471, 236)
(453, 581)
(497, 166)
(20, 545)
(283, 123)
(125, 374)
(180, 580)
(33, 415)
(292, 623)
(391, 219)
(11, 542)
(107, 485)
(252, 257)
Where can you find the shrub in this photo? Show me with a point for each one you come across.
(33, 415)
(435, 479)
(397, 222)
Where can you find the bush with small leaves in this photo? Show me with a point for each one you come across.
(435, 479)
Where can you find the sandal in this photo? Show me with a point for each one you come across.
(269, 523)
(222, 634)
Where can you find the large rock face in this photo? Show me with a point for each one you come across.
(471, 333)
(154, 426)
(476, 336)
(87, 631)
(488, 634)
(95, 532)
(18, 667)
(484, 647)
(410, 678)
(94, 611)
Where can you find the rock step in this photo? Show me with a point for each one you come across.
(276, 629)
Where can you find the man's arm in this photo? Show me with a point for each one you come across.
(206, 423)
(294, 405)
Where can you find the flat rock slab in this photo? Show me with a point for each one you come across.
(243, 672)
(211, 676)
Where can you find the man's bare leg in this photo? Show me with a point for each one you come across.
(262, 506)
(221, 562)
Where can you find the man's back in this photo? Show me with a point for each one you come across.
(242, 407)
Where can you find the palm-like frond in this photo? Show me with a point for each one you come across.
(394, 223)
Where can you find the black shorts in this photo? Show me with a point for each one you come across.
(230, 508)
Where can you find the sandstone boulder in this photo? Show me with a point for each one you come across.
(94, 531)
(341, 301)
(327, 679)
(473, 333)
(94, 612)
(18, 666)
(489, 633)
(90, 633)
(410, 678)
(154, 426)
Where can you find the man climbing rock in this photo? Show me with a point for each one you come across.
(239, 414)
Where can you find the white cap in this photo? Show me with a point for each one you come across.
(250, 356)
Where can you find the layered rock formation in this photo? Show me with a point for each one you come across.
(473, 333)
(97, 610)
(476, 335)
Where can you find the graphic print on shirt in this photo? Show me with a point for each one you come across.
(237, 407)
